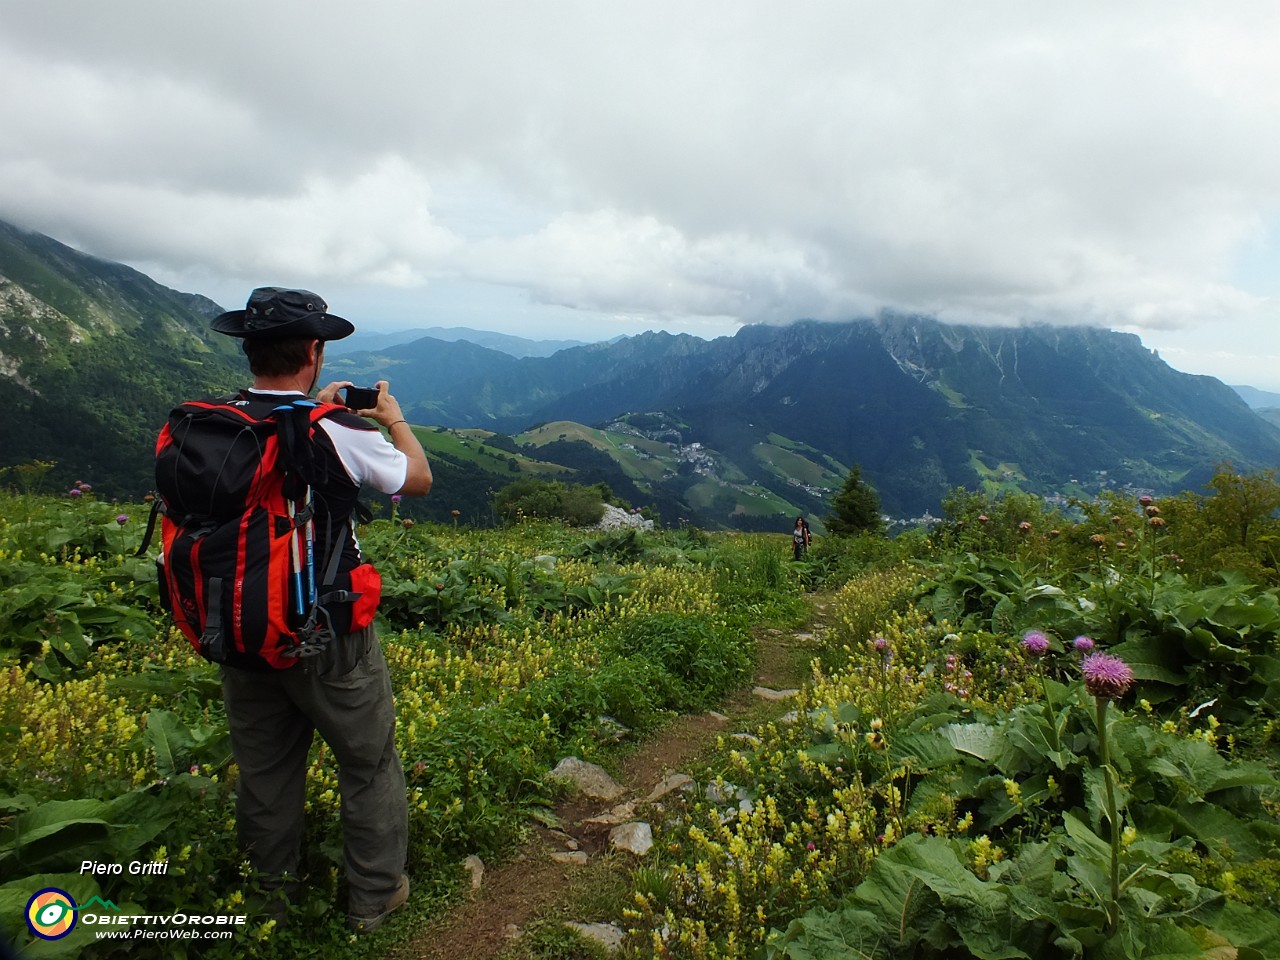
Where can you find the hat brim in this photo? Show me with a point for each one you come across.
(321, 326)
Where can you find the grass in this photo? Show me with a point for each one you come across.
(457, 446)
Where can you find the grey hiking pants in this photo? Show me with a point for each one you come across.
(345, 695)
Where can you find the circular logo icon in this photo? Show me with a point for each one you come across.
(51, 913)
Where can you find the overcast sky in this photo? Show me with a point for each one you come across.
(582, 170)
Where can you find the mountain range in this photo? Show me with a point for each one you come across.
(921, 406)
(503, 342)
(737, 431)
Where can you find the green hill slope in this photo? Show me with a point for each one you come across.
(92, 356)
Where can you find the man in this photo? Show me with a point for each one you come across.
(344, 692)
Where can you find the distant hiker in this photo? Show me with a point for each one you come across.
(800, 538)
(267, 481)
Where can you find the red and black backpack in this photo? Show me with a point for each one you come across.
(239, 570)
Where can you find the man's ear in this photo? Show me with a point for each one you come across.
(315, 352)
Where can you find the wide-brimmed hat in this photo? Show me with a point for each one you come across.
(273, 312)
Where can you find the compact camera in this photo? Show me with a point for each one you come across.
(360, 398)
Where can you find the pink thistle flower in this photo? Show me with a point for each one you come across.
(1105, 676)
(1035, 643)
(122, 519)
(396, 498)
(1082, 644)
(74, 492)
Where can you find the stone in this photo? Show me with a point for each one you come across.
(677, 781)
(588, 778)
(474, 866)
(610, 730)
(615, 518)
(608, 935)
(748, 738)
(566, 839)
(729, 793)
(619, 814)
(766, 693)
(635, 837)
(578, 857)
(717, 716)
(744, 806)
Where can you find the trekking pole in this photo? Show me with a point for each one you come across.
(311, 547)
(284, 422)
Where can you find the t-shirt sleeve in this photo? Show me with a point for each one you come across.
(368, 456)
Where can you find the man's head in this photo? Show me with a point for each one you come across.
(282, 331)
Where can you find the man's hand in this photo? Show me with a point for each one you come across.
(329, 393)
(385, 412)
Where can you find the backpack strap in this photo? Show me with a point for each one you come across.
(212, 641)
(157, 508)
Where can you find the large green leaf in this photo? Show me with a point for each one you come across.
(922, 750)
(58, 835)
(1085, 841)
(981, 740)
(1226, 834)
(169, 740)
(846, 934)
(1245, 926)
(1151, 658)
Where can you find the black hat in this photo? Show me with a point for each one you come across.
(273, 312)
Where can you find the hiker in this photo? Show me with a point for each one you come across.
(800, 538)
(339, 685)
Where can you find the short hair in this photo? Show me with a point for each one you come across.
(277, 357)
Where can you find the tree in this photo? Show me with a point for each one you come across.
(1241, 503)
(856, 508)
(573, 503)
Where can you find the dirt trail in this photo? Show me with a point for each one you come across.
(532, 884)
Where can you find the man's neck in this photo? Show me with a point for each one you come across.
(295, 383)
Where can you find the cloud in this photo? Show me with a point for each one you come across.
(1099, 163)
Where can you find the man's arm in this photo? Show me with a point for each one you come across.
(417, 480)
